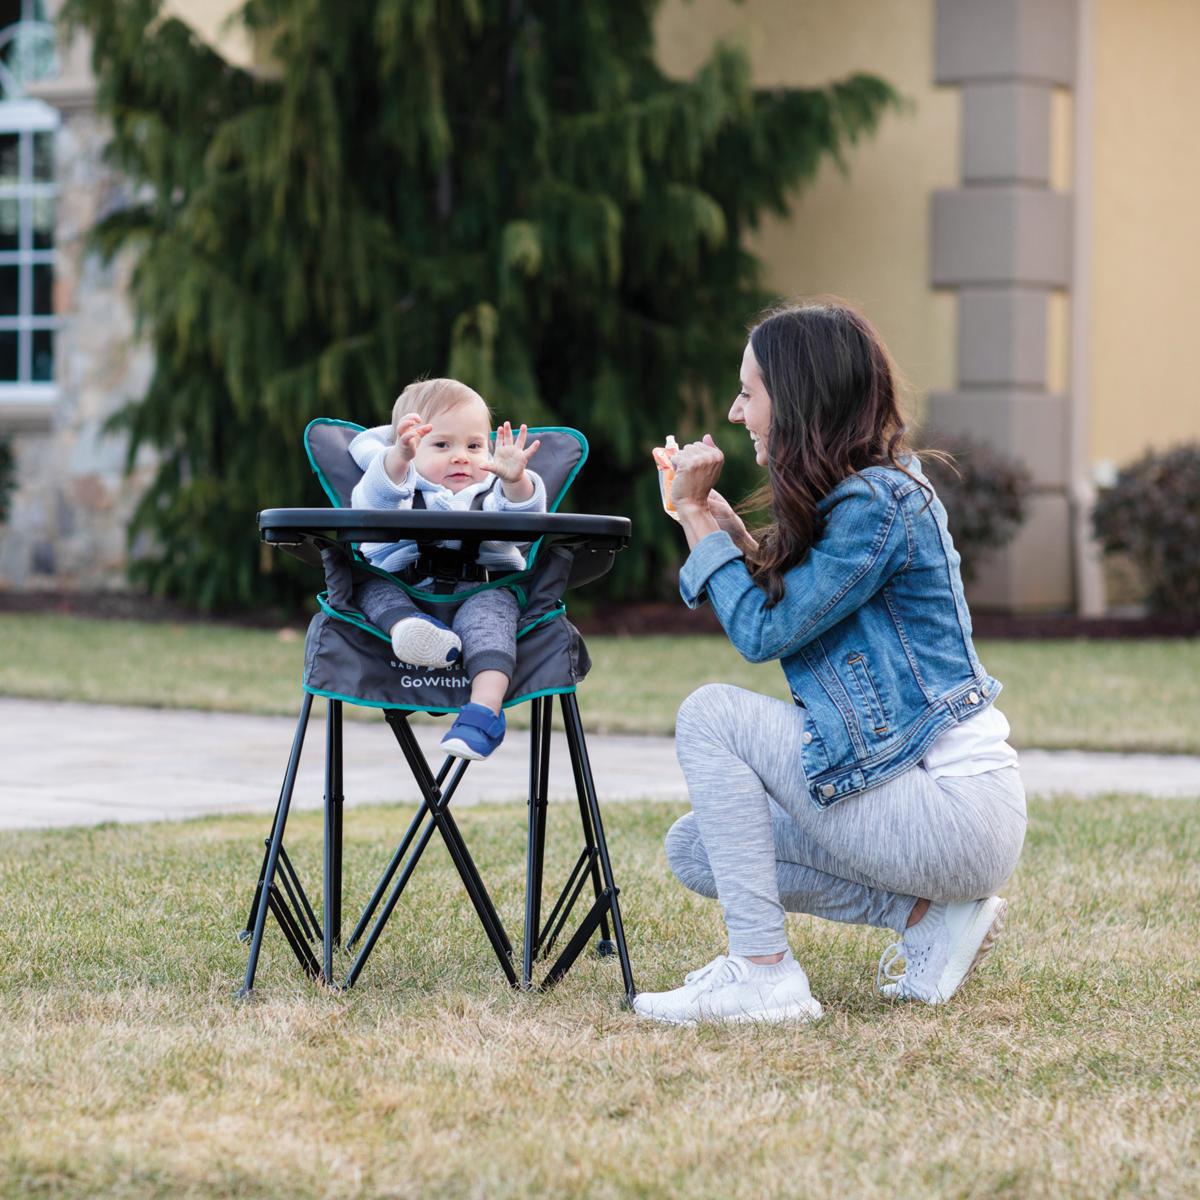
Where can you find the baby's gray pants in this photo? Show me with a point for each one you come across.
(486, 623)
(756, 841)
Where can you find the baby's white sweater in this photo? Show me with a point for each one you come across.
(376, 489)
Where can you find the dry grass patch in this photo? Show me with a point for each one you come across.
(1068, 1069)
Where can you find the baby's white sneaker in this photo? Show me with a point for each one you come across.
(424, 641)
(731, 988)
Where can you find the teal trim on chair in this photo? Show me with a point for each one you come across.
(323, 601)
(312, 462)
(570, 479)
(338, 615)
(437, 712)
(544, 619)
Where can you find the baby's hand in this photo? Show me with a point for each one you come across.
(511, 456)
(409, 432)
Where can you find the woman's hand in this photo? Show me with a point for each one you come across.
(697, 467)
(728, 520)
(722, 511)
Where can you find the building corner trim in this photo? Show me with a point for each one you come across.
(1090, 597)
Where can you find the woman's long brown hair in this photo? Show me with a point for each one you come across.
(834, 411)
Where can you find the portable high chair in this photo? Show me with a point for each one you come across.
(347, 660)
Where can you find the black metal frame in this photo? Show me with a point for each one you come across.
(280, 892)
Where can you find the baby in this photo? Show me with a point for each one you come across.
(437, 445)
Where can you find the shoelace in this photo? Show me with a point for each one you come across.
(884, 975)
(908, 982)
(712, 972)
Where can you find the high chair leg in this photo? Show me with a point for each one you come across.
(401, 850)
(541, 711)
(421, 819)
(607, 900)
(333, 834)
(267, 894)
(435, 807)
(439, 808)
(578, 768)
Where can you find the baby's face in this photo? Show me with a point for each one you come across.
(454, 451)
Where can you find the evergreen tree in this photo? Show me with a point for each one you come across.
(507, 191)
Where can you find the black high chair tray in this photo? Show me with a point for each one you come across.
(280, 526)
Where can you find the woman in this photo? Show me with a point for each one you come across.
(886, 793)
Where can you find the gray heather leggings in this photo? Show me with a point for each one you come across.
(486, 623)
(756, 841)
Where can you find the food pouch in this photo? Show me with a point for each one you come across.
(666, 473)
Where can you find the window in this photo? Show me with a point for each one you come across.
(27, 204)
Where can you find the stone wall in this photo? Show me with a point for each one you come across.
(73, 500)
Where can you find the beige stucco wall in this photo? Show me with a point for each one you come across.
(865, 235)
(1145, 241)
(210, 19)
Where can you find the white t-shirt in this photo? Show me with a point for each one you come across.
(972, 747)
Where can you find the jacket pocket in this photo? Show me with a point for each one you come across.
(868, 694)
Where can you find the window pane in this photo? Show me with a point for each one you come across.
(43, 157)
(43, 356)
(8, 355)
(10, 158)
(8, 290)
(10, 223)
(43, 289)
(43, 222)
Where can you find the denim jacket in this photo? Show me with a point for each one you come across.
(872, 630)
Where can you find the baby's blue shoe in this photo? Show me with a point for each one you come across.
(476, 732)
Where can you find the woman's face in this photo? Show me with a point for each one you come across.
(752, 406)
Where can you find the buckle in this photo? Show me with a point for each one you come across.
(449, 567)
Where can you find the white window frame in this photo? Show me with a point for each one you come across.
(26, 116)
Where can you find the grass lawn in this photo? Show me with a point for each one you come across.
(1135, 695)
(1068, 1067)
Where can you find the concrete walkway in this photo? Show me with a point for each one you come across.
(81, 764)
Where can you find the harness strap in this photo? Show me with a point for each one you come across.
(448, 567)
(476, 500)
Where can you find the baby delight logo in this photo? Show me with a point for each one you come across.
(409, 680)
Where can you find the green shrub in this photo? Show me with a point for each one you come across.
(1152, 515)
(984, 493)
(8, 476)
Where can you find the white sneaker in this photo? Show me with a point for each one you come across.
(424, 641)
(938, 963)
(727, 989)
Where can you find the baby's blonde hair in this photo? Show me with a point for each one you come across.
(429, 397)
